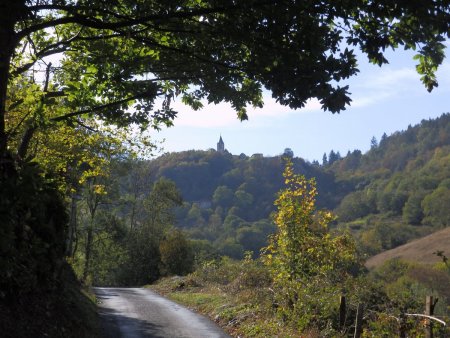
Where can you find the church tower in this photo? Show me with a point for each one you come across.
(221, 145)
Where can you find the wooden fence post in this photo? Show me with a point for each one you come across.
(401, 325)
(430, 303)
(342, 312)
(359, 319)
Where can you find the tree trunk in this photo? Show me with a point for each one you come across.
(430, 303)
(359, 319)
(92, 202)
(88, 249)
(10, 12)
(72, 227)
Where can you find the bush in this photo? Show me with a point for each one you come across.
(404, 287)
(176, 254)
(253, 275)
(221, 271)
(308, 265)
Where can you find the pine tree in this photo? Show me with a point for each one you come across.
(373, 143)
(324, 159)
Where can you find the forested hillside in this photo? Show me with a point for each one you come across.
(228, 199)
(400, 187)
(398, 190)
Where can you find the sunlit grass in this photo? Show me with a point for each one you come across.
(240, 311)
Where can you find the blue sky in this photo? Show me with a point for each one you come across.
(385, 99)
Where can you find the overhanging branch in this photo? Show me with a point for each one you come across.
(125, 21)
(97, 108)
(90, 22)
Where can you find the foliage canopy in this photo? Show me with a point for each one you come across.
(119, 57)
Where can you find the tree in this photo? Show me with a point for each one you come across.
(116, 59)
(161, 201)
(137, 184)
(373, 143)
(307, 263)
(97, 187)
(119, 57)
(215, 220)
(288, 153)
(229, 247)
(194, 216)
(74, 154)
(176, 253)
(223, 196)
(333, 157)
(243, 199)
(412, 211)
(324, 159)
(251, 239)
(435, 206)
(95, 194)
(109, 253)
(144, 241)
(355, 205)
(351, 161)
(383, 140)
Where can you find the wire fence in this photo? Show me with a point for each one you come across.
(425, 324)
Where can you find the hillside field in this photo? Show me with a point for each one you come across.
(420, 250)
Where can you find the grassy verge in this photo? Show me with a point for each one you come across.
(241, 307)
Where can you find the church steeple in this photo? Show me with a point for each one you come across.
(221, 145)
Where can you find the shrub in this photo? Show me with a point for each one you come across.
(307, 264)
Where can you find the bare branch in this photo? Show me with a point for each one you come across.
(426, 316)
(79, 122)
(54, 48)
(71, 9)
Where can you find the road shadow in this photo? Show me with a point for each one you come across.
(133, 313)
(116, 325)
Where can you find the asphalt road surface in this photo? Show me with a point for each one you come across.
(138, 312)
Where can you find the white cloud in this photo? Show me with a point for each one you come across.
(384, 84)
(210, 116)
(272, 108)
(372, 86)
(387, 78)
(223, 115)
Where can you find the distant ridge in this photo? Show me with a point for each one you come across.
(419, 250)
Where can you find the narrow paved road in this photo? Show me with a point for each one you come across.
(138, 312)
